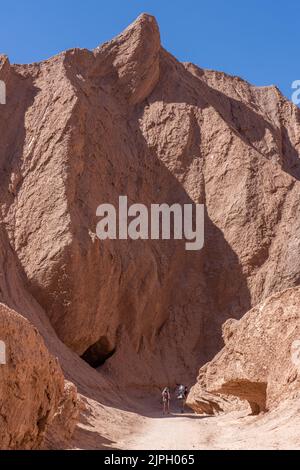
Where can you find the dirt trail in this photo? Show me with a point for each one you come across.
(178, 432)
(146, 429)
(232, 431)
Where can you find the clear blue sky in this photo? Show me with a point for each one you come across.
(258, 40)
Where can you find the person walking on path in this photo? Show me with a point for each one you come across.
(166, 397)
(182, 393)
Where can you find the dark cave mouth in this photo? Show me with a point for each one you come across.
(97, 354)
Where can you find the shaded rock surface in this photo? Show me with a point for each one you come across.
(31, 384)
(85, 127)
(260, 362)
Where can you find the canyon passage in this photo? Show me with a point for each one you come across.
(95, 329)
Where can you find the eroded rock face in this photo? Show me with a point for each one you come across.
(260, 362)
(31, 384)
(38, 407)
(61, 429)
(85, 127)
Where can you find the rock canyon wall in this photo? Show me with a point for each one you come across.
(127, 118)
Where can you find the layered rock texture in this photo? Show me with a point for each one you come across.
(31, 384)
(85, 127)
(33, 396)
(260, 362)
(36, 401)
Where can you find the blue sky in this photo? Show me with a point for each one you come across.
(258, 40)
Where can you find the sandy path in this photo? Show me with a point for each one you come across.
(175, 432)
(232, 431)
(111, 428)
(184, 432)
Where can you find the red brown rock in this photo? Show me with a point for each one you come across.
(85, 127)
(38, 407)
(257, 363)
(31, 384)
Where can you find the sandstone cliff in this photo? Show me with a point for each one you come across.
(260, 362)
(127, 118)
(31, 386)
(84, 127)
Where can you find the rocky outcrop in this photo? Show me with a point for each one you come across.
(131, 61)
(31, 384)
(38, 407)
(61, 430)
(260, 361)
(85, 127)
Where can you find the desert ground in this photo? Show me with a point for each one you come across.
(189, 431)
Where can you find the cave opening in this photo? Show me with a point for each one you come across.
(97, 354)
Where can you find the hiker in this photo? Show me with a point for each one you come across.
(166, 400)
(182, 393)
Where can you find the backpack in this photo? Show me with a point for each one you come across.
(181, 392)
